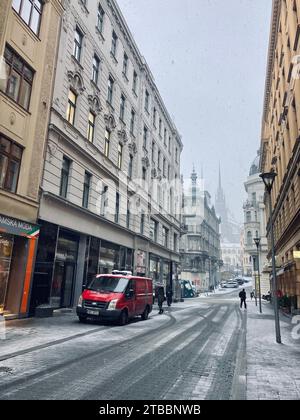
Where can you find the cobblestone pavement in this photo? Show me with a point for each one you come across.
(195, 351)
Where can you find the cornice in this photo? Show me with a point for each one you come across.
(276, 8)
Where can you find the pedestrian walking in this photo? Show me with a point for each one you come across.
(160, 299)
(252, 295)
(169, 295)
(243, 297)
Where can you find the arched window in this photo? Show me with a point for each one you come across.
(249, 238)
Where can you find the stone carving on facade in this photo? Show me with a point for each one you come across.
(95, 104)
(154, 173)
(132, 148)
(76, 81)
(123, 138)
(83, 7)
(146, 162)
(110, 121)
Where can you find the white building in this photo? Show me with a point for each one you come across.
(109, 195)
(200, 245)
(255, 226)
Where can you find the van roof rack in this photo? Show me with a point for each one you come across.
(123, 273)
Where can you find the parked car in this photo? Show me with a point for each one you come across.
(116, 297)
(232, 284)
(239, 280)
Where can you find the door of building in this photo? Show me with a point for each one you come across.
(6, 248)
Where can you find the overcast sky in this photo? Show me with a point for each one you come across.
(208, 58)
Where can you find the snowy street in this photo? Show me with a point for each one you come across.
(205, 348)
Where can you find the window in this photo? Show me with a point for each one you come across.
(122, 107)
(128, 216)
(95, 72)
(249, 238)
(86, 190)
(132, 121)
(120, 155)
(145, 137)
(77, 44)
(158, 159)
(19, 78)
(71, 109)
(175, 242)
(248, 216)
(100, 19)
(130, 166)
(153, 152)
(30, 11)
(165, 237)
(164, 168)
(154, 117)
(153, 230)
(64, 180)
(160, 126)
(114, 42)
(176, 154)
(110, 90)
(91, 127)
(142, 227)
(169, 147)
(165, 137)
(117, 214)
(107, 143)
(144, 173)
(135, 80)
(169, 172)
(125, 64)
(104, 200)
(10, 161)
(147, 97)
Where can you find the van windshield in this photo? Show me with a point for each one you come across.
(108, 284)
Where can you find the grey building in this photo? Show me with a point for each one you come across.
(200, 243)
(110, 196)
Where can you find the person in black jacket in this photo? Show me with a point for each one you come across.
(243, 297)
(160, 299)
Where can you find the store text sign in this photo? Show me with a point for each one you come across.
(18, 227)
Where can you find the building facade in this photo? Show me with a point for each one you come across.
(200, 243)
(280, 146)
(109, 197)
(255, 227)
(29, 34)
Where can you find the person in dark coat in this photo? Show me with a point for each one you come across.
(243, 297)
(160, 299)
(169, 295)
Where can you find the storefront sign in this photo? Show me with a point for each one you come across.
(141, 262)
(18, 227)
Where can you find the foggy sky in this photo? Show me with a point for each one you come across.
(208, 58)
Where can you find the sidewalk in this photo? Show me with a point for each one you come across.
(273, 370)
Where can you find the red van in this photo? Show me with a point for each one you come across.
(116, 297)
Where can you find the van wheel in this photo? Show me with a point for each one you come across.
(123, 318)
(145, 314)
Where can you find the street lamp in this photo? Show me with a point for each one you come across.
(257, 243)
(268, 179)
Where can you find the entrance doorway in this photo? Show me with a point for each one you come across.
(62, 290)
(63, 284)
(6, 249)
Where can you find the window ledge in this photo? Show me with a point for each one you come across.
(114, 58)
(99, 33)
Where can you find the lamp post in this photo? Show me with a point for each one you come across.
(268, 179)
(257, 243)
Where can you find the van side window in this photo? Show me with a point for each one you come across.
(130, 286)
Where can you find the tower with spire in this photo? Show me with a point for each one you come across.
(220, 203)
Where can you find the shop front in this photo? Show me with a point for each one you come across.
(67, 260)
(18, 243)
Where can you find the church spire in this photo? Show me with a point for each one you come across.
(220, 179)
